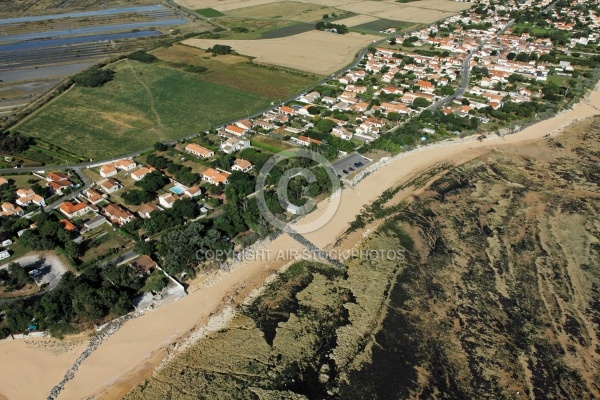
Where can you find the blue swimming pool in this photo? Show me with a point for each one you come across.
(177, 190)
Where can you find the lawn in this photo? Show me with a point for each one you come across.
(234, 71)
(102, 239)
(209, 12)
(145, 103)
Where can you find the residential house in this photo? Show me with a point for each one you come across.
(71, 210)
(233, 144)
(125, 164)
(342, 133)
(118, 215)
(242, 165)
(146, 209)
(143, 265)
(305, 140)
(285, 110)
(192, 191)
(199, 151)
(245, 124)
(59, 187)
(9, 209)
(57, 177)
(309, 98)
(140, 173)
(215, 176)
(27, 197)
(166, 200)
(109, 186)
(67, 225)
(235, 130)
(93, 196)
(108, 170)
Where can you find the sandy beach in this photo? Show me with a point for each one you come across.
(133, 352)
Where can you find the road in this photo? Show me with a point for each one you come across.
(465, 73)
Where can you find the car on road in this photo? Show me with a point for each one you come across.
(350, 169)
(344, 171)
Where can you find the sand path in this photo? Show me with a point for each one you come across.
(130, 355)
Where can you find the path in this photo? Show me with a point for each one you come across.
(150, 96)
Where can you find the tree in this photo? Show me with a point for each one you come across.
(325, 125)
(511, 55)
(420, 102)
(94, 77)
(158, 146)
(152, 182)
(218, 49)
(393, 116)
(465, 102)
(313, 110)
(142, 56)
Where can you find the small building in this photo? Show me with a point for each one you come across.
(146, 209)
(143, 265)
(166, 200)
(4, 254)
(110, 186)
(235, 130)
(125, 164)
(67, 225)
(234, 144)
(27, 197)
(117, 214)
(140, 173)
(215, 176)
(193, 191)
(93, 196)
(95, 222)
(108, 170)
(71, 210)
(199, 151)
(242, 165)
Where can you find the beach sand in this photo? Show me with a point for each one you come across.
(132, 353)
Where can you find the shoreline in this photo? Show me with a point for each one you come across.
(139, 344)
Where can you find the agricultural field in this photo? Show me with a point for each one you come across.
(356, 20)
(316, 52)
(233, 71)
(245, 29)
(383, 24)
(209, 12)
(143, 104)
(295, 11)
(412, 12)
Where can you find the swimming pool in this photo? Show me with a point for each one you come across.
(177, 190)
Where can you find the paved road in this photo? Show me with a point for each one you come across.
(465, 73)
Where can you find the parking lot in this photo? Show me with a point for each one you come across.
(350, 163)
(50, 267)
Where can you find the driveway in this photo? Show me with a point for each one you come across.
(349, 162)
(50, 265)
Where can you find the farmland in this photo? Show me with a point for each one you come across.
(303, 12)
(143, 104)
(317, 52)
(233, 71)
(383, 24)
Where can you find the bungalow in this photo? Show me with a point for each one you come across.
(71, 210)
(146, 209)
(284, 110)
(360, 107)
(399, 108)
(109, 186)
(199, 151)
(58, 187)
(193, 191)
(140, 173)
(143, 265)
(117, 214)
(305, 140)
(125, 164)
(264, 124)
(342, 133)
(309, 98)
(3, 181)
(233, 144)
(235, 130)
(215, 176)
(108, 170)
(426, 86)
(245, 124)
(93, 196)
(356, 89)
(166, 200)
(9, 209)
(27, 197)
(242, 165)
(67, 225)
(57, 177)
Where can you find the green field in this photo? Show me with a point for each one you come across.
(145, 103)
(235, 72)
(209, 12)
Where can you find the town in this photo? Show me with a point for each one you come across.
(140, 220)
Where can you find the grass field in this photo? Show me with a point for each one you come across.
(234, 71)
(269, 144)
(145, 103)
(209, 12)
(383, 24)
(253, 28)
